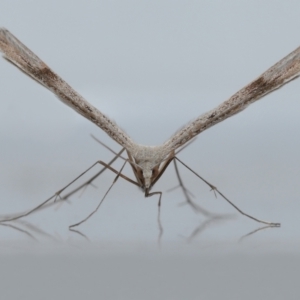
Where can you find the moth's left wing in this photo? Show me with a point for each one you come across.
(17, 53)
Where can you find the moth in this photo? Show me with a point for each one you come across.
(148, 163)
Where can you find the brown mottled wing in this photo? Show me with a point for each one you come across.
(281, 73)
(28, 62)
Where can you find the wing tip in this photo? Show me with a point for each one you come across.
(4, 32)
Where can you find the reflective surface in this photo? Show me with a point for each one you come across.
(152, 67)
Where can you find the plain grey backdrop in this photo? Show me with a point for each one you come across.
(152, 66)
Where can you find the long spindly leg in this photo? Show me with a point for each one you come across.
(47, 202)
(254, 232)
(90, 181)
(79, 233)
(225, 198)
(20, 230)
(187, 196)
(57, 194)
(206, 224)
(95, 210)
(106, 147)
(160, 227)
(147, 194)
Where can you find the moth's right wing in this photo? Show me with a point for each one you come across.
(27, 61)
(274, 78)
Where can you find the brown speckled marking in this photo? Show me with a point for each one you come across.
(148, 160)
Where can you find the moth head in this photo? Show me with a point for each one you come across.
(147, 161)
(145, 174)
(149, 176)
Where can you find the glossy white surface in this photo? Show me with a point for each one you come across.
(152, 67)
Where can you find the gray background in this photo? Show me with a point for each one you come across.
(152, 66)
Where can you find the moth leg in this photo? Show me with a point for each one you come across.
(225, 198)
(57, 194)
(160, 227)
(95, 210)
(90, 181)
(186, 193)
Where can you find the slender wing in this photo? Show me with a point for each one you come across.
(28, 62)
(281, 73)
